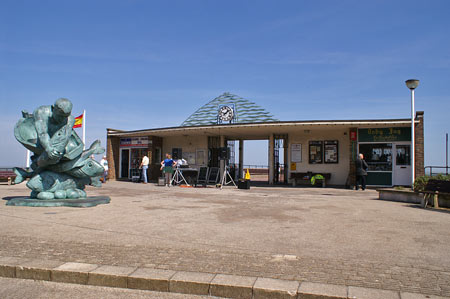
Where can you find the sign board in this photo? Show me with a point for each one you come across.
(384, 134)
(293, 166)
(331, 151)
(202, 175)
(296, 152)
(134, 142)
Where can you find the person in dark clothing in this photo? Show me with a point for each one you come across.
(361, 172)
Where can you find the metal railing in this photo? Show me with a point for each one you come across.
(441, 170)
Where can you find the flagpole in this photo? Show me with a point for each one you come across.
(84, 129)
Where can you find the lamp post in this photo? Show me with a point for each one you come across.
(412, 84)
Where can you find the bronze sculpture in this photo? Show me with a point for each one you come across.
(60, 169)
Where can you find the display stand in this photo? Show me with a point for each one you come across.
(225, 181)
(178, 177)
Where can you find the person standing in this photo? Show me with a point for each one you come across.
(144, 167)
(361, 172)
(167, 167)
(104, 163)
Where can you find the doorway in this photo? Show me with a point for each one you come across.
(402, 165)
(124, 163)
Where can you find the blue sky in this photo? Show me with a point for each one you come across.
(146, 64)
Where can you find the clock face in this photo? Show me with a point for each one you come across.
(226, 113)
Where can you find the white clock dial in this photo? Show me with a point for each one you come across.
(226, 113)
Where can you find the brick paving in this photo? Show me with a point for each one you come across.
(418, 261)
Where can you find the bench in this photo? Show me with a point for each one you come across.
(7, 174)
(432, 190)
(303, 177)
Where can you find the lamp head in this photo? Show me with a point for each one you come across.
(412, 83)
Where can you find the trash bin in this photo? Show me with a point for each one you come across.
(243, 184)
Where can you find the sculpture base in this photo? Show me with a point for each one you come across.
(87, 202)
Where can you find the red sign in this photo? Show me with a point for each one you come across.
(353, 135)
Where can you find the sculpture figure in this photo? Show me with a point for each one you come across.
(60, 169)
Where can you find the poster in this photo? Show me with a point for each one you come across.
(201, 157)
(296, 152)
(315, 152)
(331, 151)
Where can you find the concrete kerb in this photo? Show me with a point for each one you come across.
(219, 285)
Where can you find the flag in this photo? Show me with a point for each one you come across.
(78, 121)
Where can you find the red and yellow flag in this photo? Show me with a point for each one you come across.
(78, 121)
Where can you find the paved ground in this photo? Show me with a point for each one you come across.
(332, 236)
(11, 288)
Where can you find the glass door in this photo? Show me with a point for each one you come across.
(402, 165)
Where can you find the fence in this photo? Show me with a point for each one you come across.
(437, 170)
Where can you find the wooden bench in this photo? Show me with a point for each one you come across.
(303, 177)
(7, 174)
(432, 190)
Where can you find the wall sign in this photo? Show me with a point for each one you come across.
(384, 134)
(296, 152)
(135, 142)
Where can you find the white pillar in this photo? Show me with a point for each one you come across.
(241, 158)
(271, 166)
(413, 144)
(222, 162)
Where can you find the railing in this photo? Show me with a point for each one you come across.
(445, 170)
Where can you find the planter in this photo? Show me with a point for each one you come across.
(399, 195)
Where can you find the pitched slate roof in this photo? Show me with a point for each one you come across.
(245, 111)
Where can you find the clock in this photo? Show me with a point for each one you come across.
(226, 113)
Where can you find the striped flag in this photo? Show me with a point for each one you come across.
(78, 121)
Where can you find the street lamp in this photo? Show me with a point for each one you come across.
(412, 84)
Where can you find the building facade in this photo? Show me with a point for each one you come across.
(325, 147)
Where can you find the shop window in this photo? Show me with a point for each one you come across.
(315, 152)
(331, 152)
(403, 155)
(377, 155)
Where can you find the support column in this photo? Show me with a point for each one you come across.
(222, 162)
(113, 156)
(271, 152)
(241, 159)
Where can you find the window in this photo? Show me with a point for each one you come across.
(377, 155)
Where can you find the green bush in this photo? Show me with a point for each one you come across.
(421, 182)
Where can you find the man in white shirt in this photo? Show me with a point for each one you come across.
(144, 166)
(104, 163)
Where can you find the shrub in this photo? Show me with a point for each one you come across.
(421, 182)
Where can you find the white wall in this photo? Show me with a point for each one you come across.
(339, 171)
(187, 144)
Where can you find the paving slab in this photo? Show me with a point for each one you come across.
(191, 283)
(310, 290)
(150, 279)
(320, 235)
(232, 286)
(368, 293)
(419, 296)
(268, 288)
(110, 276)
(73, 272)
(36, 269)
